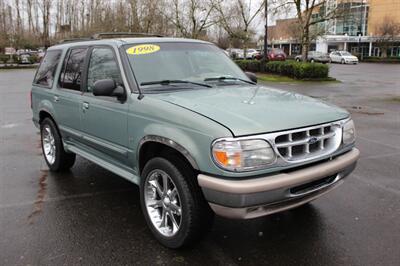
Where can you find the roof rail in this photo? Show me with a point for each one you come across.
(75, 40)
(109, 35)
(105, 35)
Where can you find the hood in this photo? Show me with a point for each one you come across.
(349, 56)
(247, 110)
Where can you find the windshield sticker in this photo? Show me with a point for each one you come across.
(143, 49)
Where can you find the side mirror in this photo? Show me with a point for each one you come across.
(104, 87)
(108, 87)
(251, 76)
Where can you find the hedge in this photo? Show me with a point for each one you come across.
(4, 59)
(374, 59)
(293, 69)
(249, 65)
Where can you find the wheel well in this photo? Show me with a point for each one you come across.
(43, 115)
(153, 149)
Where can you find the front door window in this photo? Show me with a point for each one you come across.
(102, 65)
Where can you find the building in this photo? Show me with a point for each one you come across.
(357, 29)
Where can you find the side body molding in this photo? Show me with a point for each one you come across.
(170, 143)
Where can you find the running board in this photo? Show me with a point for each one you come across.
(106, 165)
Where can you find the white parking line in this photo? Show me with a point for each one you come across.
(377, 142)
(388, 189)
(10, 125)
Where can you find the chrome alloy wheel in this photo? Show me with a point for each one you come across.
(48, 143)
(163, 203)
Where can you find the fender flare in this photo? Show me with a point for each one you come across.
(167, 142)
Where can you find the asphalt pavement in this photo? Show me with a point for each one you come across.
(91, 216)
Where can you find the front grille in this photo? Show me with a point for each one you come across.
(303, 144)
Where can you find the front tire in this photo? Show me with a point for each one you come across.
(343, 62)
(172, 202)
(52, 147)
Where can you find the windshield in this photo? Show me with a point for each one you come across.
(275, 50)
(346, 53)
(167, 65)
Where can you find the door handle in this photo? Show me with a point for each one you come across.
(56, 98)
(85, 105)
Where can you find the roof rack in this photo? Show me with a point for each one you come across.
(109, 35)
(105, 35)
(75, 40)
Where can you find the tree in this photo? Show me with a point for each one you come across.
(37, 23)
(237, 17)
(387, 32)
(191, 18)
(45, 6)
(310, 14)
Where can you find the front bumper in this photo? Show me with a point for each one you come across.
(251, 198)
(351, 61)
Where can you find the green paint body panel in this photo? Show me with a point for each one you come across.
(249, 110)
(110, 132)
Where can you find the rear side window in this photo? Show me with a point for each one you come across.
(45, 74)
(71, 75)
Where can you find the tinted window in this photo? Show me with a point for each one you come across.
(72, 72)
(47, 70)
(102, 65)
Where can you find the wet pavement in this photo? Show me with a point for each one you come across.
(91, 216)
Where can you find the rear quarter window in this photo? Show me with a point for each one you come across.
(71, 74)
(47, 69)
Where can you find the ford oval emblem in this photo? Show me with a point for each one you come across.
(312, 140)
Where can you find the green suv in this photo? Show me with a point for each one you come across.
(199, 136)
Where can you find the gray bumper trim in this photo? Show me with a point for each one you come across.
(276, 190)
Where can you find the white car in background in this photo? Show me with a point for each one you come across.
(343, 57)
(251, 53)
(235, 53)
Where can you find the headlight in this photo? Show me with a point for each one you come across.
(349, 132)
(242, 155)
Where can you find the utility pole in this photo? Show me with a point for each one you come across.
(265, 56)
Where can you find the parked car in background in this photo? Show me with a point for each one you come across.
(274, 54)
(25, 59)
(343, 57)
(314, 56)
(225, 52)
(251, 53)
(40, 55)
(235, 53)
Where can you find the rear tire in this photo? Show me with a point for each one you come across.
(52, 147)
(187, 214)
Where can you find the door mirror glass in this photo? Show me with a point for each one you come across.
(104, 87)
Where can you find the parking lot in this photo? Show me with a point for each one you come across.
(91, 216)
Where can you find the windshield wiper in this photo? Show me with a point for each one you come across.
(168, 82)
(222, 78)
